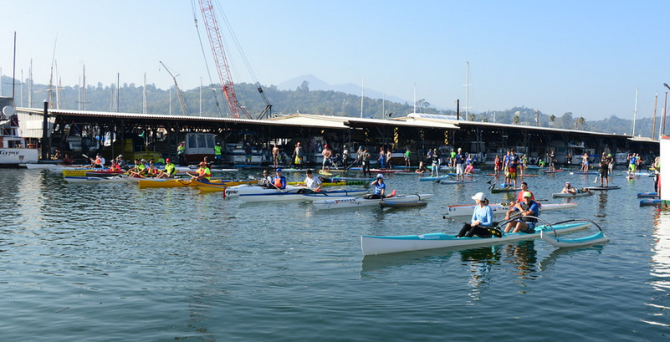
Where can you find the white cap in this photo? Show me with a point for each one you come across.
(380, 176)
(479, 196)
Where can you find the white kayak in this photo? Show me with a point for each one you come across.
(373, 245)
(357, 202)
(97, 180)
(274, 195)
(465, 210)
(571, 195)
(245, 189)
(333, 194)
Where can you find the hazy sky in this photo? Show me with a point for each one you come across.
(584, 57)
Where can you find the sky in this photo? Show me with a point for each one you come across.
(584, 57)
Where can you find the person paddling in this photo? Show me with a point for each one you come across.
(529, 210)
(279, 181)
(482, 218)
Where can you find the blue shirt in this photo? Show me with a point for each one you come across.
(534, 207)
(379, 187)
(483, 215)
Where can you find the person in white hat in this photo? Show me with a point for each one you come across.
(380, 187)
(482, 219)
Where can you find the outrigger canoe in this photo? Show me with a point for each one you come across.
(465, 210)
(357, 202)
(163, 182)
(373, 245)
(571, 195)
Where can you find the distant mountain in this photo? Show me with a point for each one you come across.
(349, 88)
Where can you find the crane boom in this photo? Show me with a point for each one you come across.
(222, 68)
(180, 95)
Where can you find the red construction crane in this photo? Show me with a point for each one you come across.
(222, 68)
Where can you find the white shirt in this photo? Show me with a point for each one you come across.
(313, 182)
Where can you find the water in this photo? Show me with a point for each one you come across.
(112, 262)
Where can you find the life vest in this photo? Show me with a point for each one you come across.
(278, 182)
(98, 161)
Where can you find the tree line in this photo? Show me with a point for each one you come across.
(209, 101)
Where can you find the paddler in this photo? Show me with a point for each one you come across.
(529, 210)
(169, 170)
(204, 173)
(482, 219)
(279, 181)
(313, 183)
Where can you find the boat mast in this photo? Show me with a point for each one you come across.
(467, 90)
(653, 124)
(362, 92)
(637, 90)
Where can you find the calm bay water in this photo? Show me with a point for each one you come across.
(111, 262)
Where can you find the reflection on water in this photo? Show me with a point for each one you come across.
(660, 270)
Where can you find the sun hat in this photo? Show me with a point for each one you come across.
(380, 176)
(527, 194)
(479, 196)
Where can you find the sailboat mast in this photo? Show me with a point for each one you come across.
(637, 90)
(467, 90)
(653, 125)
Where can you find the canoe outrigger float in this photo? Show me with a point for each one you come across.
(551, 237)
(373, 245)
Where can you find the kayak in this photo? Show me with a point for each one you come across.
(209, 187)
(162, 182)
(390, 203)
(647, 195)
(569, 195)
(429, 178)
(97, 180)
(650, 201)
(373, 245)
(551, 237)
(495, 191)
(357, 202)
(547, 171)
(274, 195)
(237, 190)
(602, 188)
(444, 181)
(465, 210)
(584, 173)
(332, 194)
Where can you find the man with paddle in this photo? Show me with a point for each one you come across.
(313, 183)
(279, 181)
(529, 210)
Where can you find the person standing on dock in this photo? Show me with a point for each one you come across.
(297, 155)
(365, 162)
(275, 156)
(407, 154)
(218, 154)
(180, 154)
(327, 154)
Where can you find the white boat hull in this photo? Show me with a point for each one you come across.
(357, 202)
(569, 195)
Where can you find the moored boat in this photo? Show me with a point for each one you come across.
(373, 245)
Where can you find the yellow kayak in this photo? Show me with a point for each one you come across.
(220, 185)
(163, 183)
